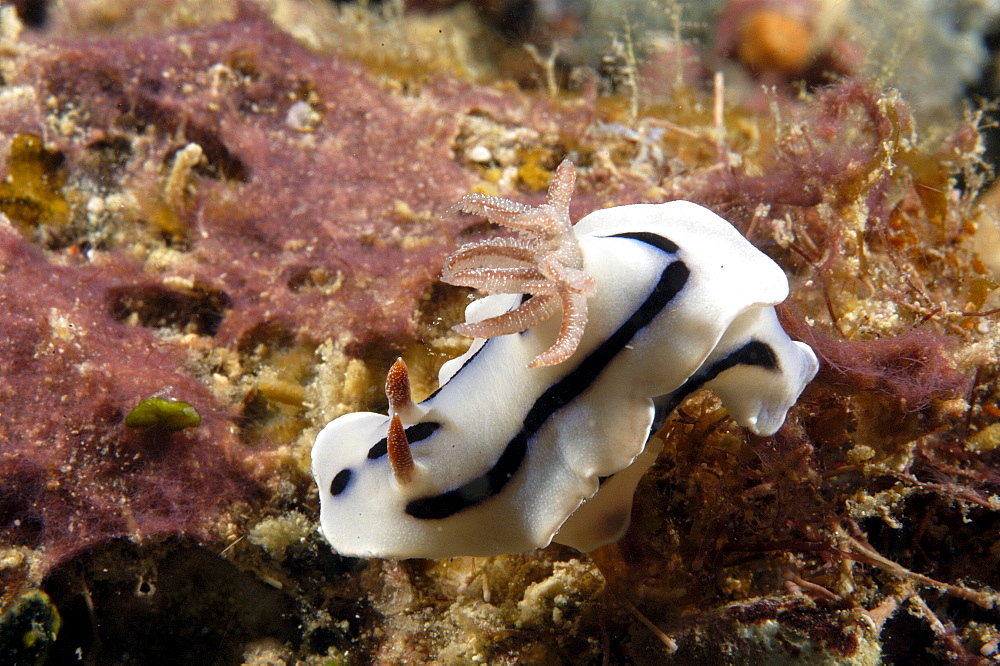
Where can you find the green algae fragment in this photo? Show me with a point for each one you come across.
(28, 629)
(169, 414)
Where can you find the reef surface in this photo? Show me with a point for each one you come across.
(218, 228)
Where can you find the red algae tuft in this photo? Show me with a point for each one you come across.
(913, 367)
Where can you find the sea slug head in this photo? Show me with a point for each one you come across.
(365, 471)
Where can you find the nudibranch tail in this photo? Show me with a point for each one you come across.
(400, 456)
(546, 263)
(397, 388)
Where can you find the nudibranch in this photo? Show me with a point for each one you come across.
(541, 431)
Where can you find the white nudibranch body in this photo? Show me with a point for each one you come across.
(506, 457)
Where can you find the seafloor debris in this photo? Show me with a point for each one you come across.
(209, 208)
(28, 628)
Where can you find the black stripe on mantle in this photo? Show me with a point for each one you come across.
(754, 352)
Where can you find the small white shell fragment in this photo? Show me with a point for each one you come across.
(479, 153)
(302, 117)
(509, 458)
